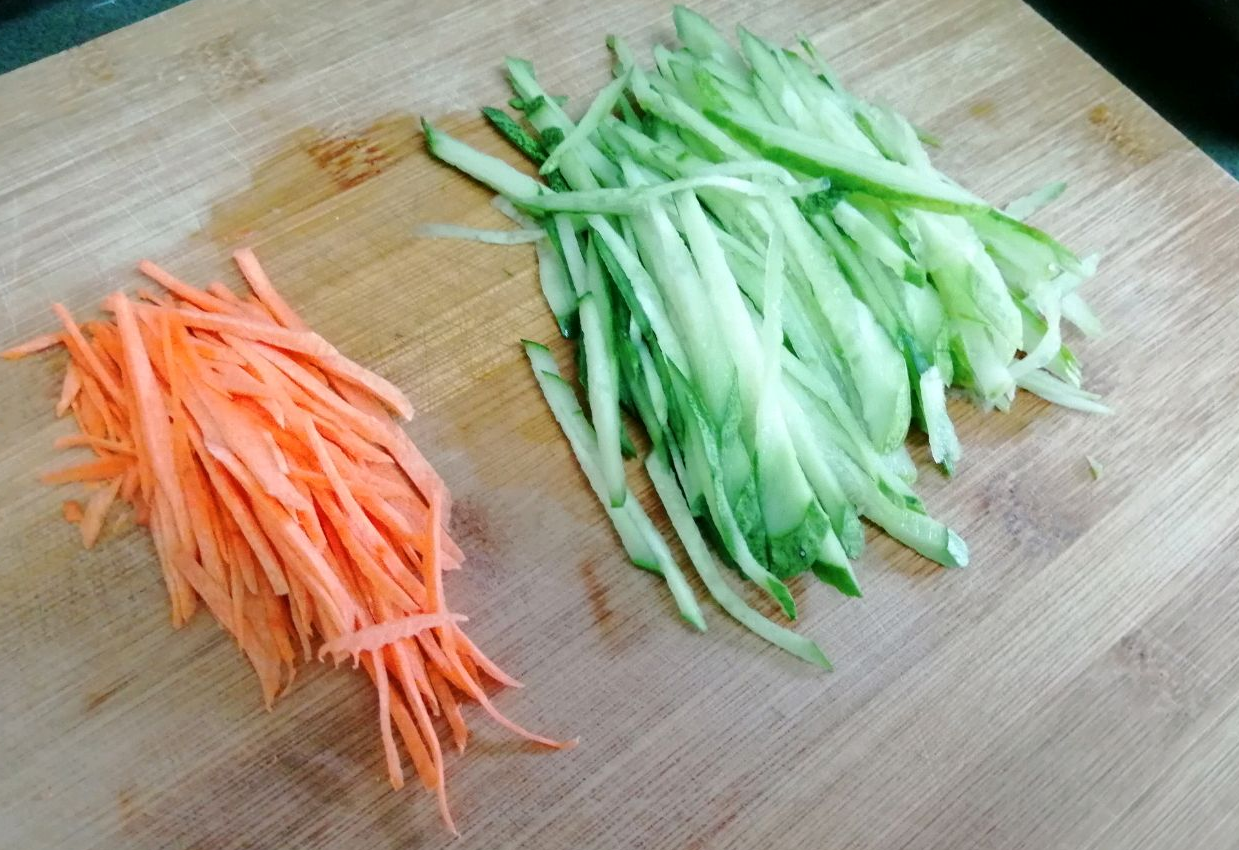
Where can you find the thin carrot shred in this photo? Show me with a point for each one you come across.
(72, 510)
(279, 493)
(96, 510)
(69, 390)
(33, 346)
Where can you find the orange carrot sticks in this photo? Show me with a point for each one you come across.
(280, 495)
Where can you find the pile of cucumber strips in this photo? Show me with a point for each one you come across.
(770, 276)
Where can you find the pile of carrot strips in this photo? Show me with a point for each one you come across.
(279, 494)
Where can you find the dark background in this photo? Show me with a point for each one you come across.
(1181, 56)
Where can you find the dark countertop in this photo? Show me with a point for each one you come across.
(1182, 63)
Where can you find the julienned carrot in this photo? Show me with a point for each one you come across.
(279, 493)
(374, 638)
(72, 510)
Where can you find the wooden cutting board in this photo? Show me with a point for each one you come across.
(1076, 688)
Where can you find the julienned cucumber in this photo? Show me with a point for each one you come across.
(769, 275)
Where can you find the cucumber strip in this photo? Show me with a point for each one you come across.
(670, 107)
(872, 360)
(825, 484)
(1053, 390)
(870, 238)
(899, 462)
(943, 443)
(703, 562)
(690, 306)
(704, 41)
(795, 524)
(707, 458)
(567, 411)
(1076, 311)
(515, 134)
(816, 157)
(835, 120)
(685, 599)
(846, 432)
(478, 234)
(630, 201)
(573, 258)
(824, 72)
(602, 378)
(911, 527)
(724, 296)
(1048, 346)
(643, 297)
(1021, 208)
(602, 106)
(645, 546)
(585, 165)
(1064, 365)
(484, 168)
(649, 372)
(895, 138)
(556, 287)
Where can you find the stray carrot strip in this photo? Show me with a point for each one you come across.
(183, 290)
(96, 511)
(69, 390)
(279, 494)
(73, 441)
(261, 284)
(33, 346)
(72, 510)
(96, 470)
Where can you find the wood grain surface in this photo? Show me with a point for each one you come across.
(1077, 687)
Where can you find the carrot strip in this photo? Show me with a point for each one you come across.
(379, 671)
(182, 290)
(261, 284)
(411, 670)
(84, 353)
(373, 638)
(451, 709)
(72, 510)
(69, 390)
(152, 297)
(73, 441)
(245, 522)
(33, 346)
(96, 511)
(414, 745)
(96, 470)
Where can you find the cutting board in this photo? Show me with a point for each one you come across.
(1075, 688)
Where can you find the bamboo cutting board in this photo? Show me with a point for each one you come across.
(1076, 688)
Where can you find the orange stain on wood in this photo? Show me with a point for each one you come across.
(312, 166)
